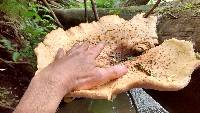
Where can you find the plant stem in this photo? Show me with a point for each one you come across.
(94, 8)
(150, 11)
(53, 14)
(86, 12)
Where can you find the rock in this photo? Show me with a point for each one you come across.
(145, 103)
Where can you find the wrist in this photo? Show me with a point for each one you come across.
(56, 80)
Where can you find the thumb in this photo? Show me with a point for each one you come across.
(112, 72)
(104, 75)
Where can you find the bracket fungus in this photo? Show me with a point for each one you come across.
(167, 67)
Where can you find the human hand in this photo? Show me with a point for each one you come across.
(74, 70)
(77, 69)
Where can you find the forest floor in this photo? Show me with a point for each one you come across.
(15, 76)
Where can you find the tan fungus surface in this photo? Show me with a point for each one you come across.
(165, 67)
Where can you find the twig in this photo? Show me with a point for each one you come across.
(94, 8)
(172, 16)
(11, 62)
(53, 14)
(5, 61)
(150, 11)
(86, 12)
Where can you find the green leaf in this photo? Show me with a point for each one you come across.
(43, 8)
(29, 14)
(15, 56)
(49, 17)
(7, 44)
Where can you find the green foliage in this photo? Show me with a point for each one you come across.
(10, 48)
(15, 56)
(76, 4)
(181, 8)
(115, 11)
(188, 6)
(12, 7)
(105, 3)
(99, 3)
(34, 27)
(35, 22)
(7, 44)
(154, 1)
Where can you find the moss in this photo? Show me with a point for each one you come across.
(115, 11)
(13, 8)
(179, 9)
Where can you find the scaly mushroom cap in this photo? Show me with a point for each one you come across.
(139, 34)
(165, 67)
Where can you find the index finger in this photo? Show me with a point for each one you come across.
(96, 50)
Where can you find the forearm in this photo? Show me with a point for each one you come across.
(41, 97)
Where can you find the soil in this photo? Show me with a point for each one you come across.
(13, 84)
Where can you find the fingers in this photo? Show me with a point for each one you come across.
(113, 72)
(83, 47)
(78, 48)
(93, 51)
(74, 47)
(96, 50)
(87, 83)
(103, 75)
(60, 54)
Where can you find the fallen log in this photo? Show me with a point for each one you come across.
(73, 17)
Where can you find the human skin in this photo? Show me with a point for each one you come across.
(73, 70)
